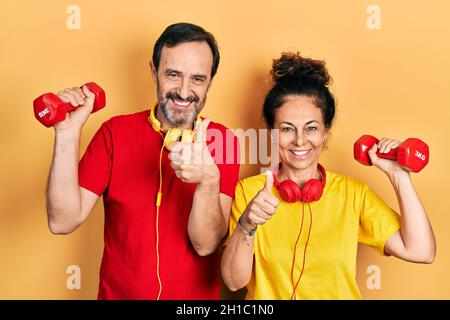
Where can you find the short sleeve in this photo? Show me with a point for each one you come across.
(224, 148)
(377, 221)
(238, 207)
(94, 168)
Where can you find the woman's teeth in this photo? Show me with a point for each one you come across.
(300, 153)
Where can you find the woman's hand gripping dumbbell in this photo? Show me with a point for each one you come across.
(412, 154)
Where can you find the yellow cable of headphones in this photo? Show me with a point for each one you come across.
(158, 199)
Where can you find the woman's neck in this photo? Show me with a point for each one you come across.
(299, 176)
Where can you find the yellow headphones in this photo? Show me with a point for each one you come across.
(172, 134)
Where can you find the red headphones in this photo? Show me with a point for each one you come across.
(311, 191)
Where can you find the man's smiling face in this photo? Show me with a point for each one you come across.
(183, 79)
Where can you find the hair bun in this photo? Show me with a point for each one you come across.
(293, 65)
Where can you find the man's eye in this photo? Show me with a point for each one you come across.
(198, 80)
(173, 76)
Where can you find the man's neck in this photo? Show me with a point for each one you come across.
(165, 124)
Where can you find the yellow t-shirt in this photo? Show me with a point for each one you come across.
(348, 212)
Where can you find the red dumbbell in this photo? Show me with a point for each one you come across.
(49, 109)
(412, 154)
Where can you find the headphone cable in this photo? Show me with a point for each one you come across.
(295, 247)
(158, 204)
(294, 293)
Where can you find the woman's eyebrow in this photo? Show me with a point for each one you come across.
(287, 122)
(291, 124)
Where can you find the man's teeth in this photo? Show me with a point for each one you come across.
(181, 103)
(300, 153)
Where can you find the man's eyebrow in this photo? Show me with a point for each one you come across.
(200, 75)
(172, 71)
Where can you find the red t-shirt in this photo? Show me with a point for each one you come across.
(122, 164)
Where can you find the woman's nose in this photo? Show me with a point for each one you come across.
(299, 138)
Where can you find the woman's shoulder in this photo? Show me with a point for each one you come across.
(335, 179)
(253, 183)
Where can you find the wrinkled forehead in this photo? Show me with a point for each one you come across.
(188, 58)
(299, 111)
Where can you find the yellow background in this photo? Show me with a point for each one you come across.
(391, 82)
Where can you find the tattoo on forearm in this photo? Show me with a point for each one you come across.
(247, 239)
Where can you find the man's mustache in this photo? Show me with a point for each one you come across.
(175, 96)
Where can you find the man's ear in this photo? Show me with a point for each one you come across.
(210, 83)
(154, 72)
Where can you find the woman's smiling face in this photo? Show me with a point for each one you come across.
(302, 132)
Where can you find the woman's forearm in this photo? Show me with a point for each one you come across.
(416, 231)
(237, 260)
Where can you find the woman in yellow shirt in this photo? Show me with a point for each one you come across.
(305, 247)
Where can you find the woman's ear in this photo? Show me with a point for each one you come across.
(325, 136)
(274, 135)
(325, 139)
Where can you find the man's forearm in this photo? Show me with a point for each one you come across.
(207, 223)
(63, 193)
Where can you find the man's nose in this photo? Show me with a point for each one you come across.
(184, 89)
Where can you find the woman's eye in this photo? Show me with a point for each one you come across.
(286, 129)
(311, 129)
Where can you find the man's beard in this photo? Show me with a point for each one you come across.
(178, 118)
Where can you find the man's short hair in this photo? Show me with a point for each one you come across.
(178, 33)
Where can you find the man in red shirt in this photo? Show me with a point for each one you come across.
(166, 208)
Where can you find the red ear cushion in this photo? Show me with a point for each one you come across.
(311, 191)
(289, 191)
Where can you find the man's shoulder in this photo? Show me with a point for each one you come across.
(216, 128)
(126, 120)
(216, 125)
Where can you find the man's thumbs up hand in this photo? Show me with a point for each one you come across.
(192, 161)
